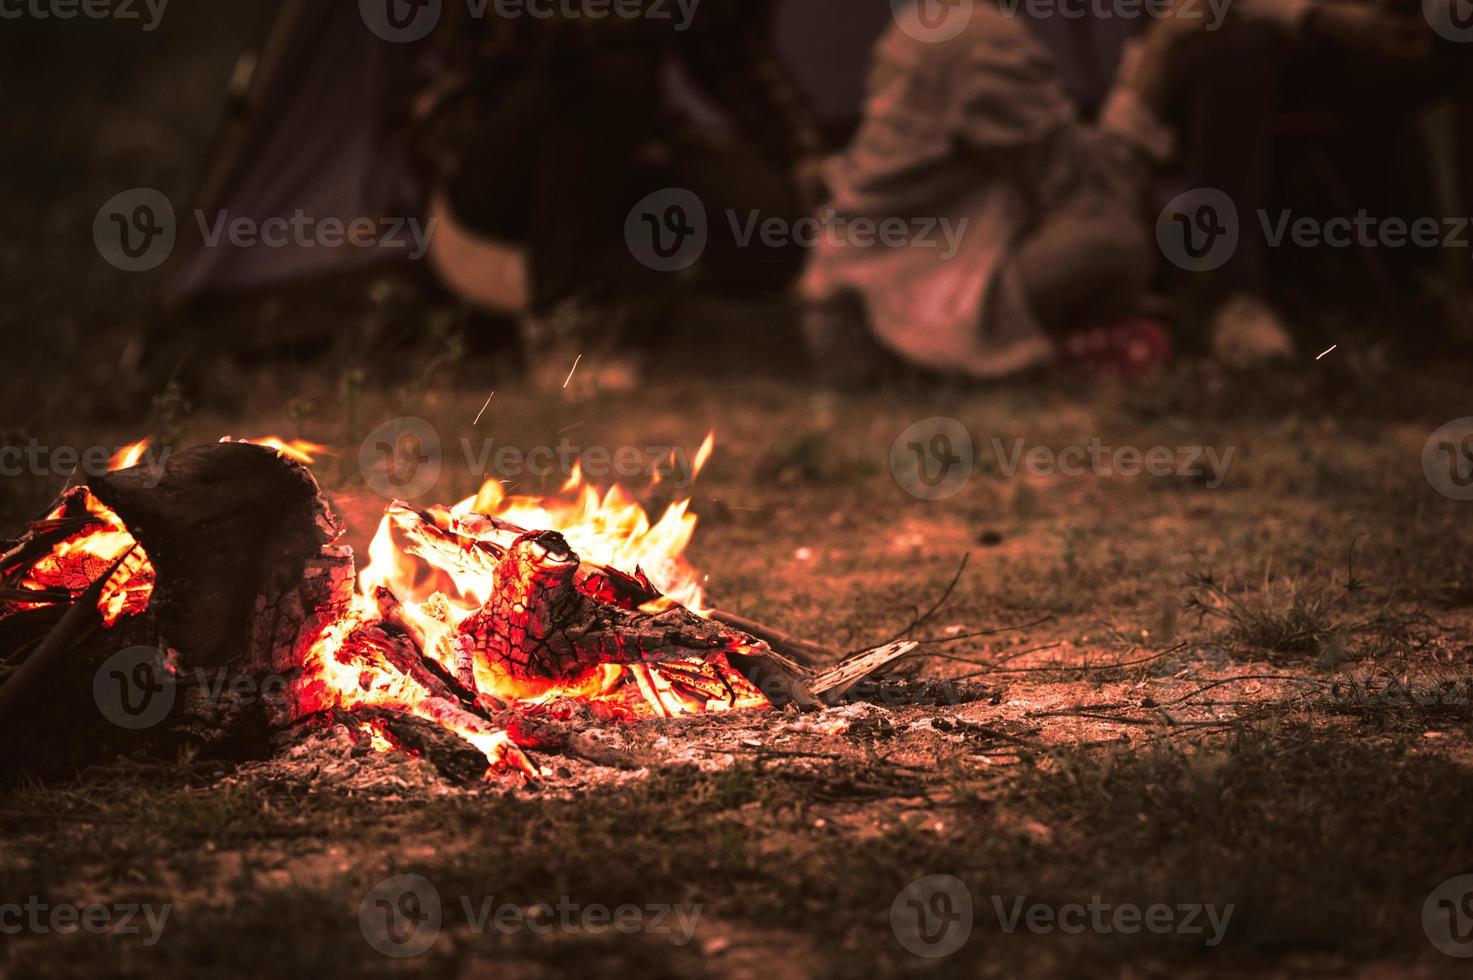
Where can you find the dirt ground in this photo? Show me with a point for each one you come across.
(1240, 688)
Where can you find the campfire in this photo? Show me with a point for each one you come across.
(470, 634)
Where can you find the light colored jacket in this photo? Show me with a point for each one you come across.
(977, 135)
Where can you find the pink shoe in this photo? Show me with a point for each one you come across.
(1137, 348)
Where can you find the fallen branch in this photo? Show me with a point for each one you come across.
(805, 653)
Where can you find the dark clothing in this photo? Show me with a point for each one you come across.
(1255, 94)
(578, 122)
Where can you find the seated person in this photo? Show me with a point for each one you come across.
(572, 121)
(1050, 214)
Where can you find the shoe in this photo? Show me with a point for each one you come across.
(841, 346)
(1135, 349)
(1246, 333)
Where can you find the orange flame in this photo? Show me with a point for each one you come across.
(129, 456)
(301, 450)
(78, 560)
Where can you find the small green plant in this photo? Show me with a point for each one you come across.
(1295, 619)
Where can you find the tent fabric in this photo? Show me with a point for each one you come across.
(318, 142)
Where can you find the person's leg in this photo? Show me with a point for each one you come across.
(600, 130)
(1230, 89)
(1085, 266)
(487, 193)
(741, 189)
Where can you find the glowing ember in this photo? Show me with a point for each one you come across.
(83, 556)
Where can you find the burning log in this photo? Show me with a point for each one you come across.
(538, 625)
(230, 529)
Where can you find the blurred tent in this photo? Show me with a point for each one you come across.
(309, 127)
(316, 123)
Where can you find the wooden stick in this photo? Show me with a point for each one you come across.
(74, 626)
(37, 542)
(808, 654)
